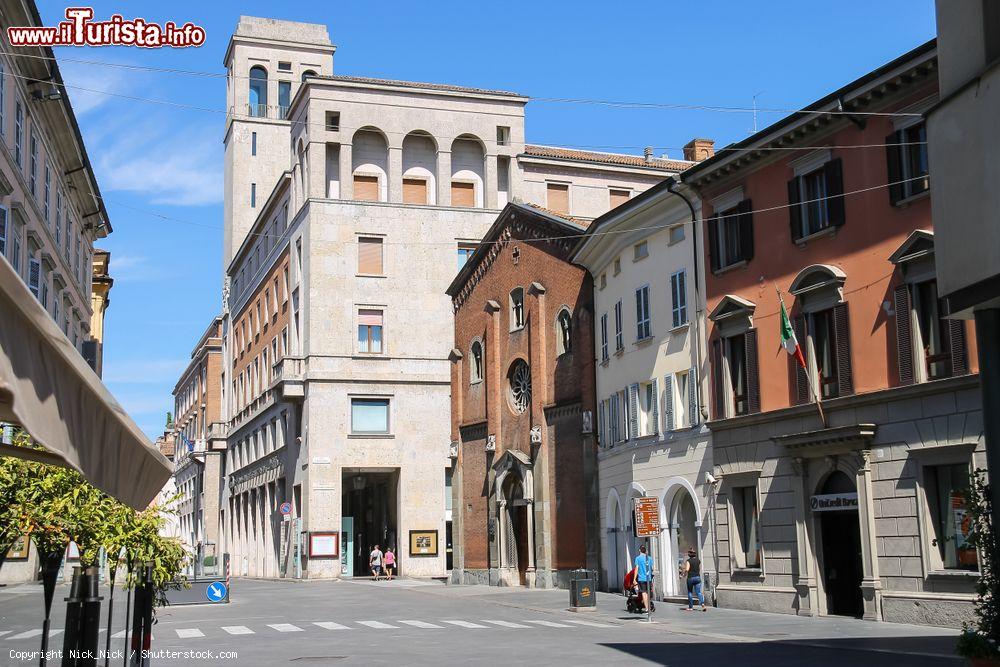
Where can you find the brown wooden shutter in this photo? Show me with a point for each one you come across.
(904, 334)
(414, 191)
(366, 188)
(745, 220)
(794, 210)
(718, 387)
(801, 379)
(557, 197)
(753, 372)
(895, 168)
(618, 197)
(842, 331)
(463, 194)
(959, 348)
(713, 242)
(833, 171)
(370, 256)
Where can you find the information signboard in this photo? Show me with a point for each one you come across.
(647, 517)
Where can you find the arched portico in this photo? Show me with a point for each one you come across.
(615, 554)
(680, 522)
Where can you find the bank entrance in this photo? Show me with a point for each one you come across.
(370, 511)
(836, 509)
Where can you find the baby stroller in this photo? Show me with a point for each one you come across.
(633, 596)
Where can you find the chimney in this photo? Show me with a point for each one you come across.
(647, 153)
(697, 150)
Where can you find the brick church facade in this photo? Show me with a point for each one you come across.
(522, 397)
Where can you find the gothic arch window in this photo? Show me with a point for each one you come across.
(517, 308)
(519, 386)
(258, 91)
(564, 332)
(476, 363)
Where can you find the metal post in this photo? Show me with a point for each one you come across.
(74, 614)
(50, 571)
(988, 341)
(649, 585)
(90, 625)
(142, 618)
(112, 572)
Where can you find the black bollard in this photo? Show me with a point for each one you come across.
(91, 620)
(50, 572)
(74, 615)
(142, 618)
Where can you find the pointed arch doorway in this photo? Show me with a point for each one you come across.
(514, 493)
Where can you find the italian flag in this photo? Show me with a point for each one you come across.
(788, 339)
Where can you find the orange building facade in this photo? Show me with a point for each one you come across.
(852, 506)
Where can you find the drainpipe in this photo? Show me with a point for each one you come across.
(671, 184)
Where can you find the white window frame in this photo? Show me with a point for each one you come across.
(604, 337)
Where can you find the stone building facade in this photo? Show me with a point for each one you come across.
(522, 406)
(856, 509)
(51, 209)
(373, 192)
(651, 383)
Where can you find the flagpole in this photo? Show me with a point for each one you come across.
(809, 384)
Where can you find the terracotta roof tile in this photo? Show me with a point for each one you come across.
(583, 223)
(417, 84)
(605, 158)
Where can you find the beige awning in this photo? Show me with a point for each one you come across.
(48, 389)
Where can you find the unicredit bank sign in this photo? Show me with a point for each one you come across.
(831, 502)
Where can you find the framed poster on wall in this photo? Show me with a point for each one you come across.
(423, 543)
(19, 550)
(324, 545)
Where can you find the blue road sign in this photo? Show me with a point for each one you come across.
(286, 508)
(216, 591)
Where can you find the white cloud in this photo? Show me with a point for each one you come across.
(81, 80)
(170, 169)
(127, 268)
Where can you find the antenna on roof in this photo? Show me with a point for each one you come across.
(755, 110)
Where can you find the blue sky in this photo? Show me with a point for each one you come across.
(155, 161)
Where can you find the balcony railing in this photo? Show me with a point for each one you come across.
(270, 111)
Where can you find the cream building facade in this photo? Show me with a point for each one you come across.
(342, 242)
(649, 324)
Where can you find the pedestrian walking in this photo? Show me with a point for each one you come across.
(644, 575)
(390, 562)
(692, 569)
(375, 562)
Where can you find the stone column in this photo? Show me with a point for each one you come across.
(395, 186)
(444, 178)
(871, 583)
(490, 182)
(346, 175)
(532, 559)
(316, 156)
(805, 580)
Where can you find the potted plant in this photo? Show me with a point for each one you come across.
(978, 641)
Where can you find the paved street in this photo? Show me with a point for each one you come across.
(404, 622)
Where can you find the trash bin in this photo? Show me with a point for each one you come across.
(582, 586)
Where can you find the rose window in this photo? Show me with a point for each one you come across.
(519, 389)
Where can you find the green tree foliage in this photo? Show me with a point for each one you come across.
(57, 506)
(982, 639)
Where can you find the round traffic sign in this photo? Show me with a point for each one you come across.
(286, 508)
(216, 591)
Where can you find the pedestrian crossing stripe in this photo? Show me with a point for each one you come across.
(423, 624)
(551, 624)
(508, 624)
(465, 624)
(284, 627)
(197, 633)
(330, 625)
(591, 624)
